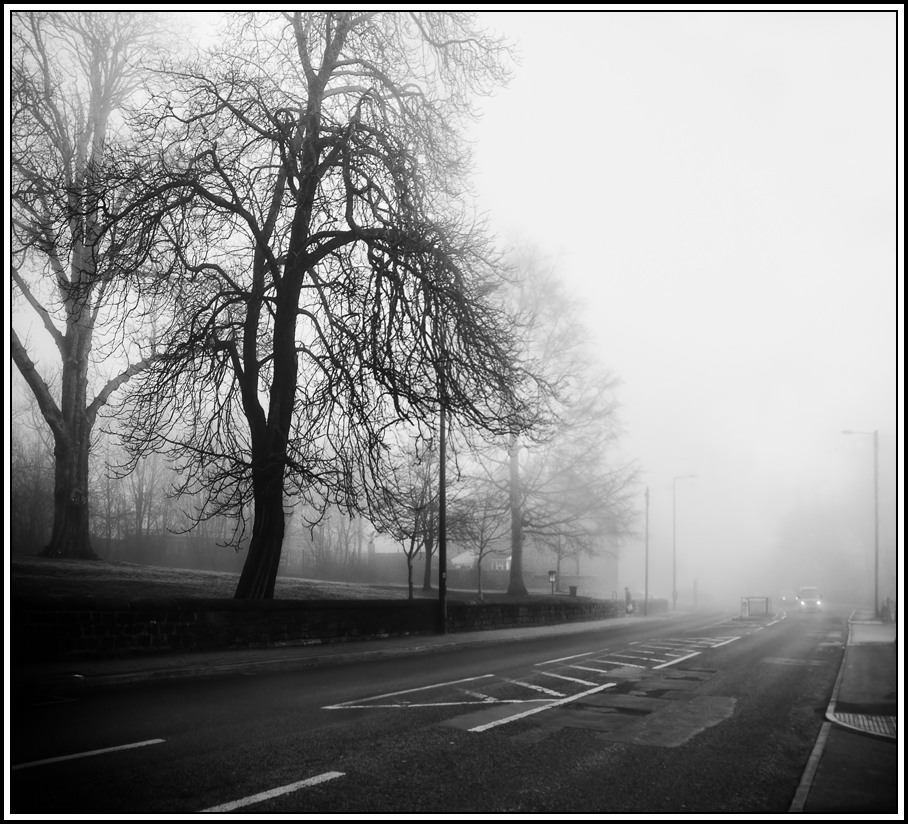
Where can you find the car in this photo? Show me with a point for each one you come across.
(789, 598)
(809, 599)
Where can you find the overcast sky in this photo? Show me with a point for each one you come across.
(720, 190)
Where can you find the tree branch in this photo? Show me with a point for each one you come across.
(46, 403)
(42, 312)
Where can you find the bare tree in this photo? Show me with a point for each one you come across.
(406, 505)
(335, 271)
(562, 479)
(484, 524)
(147, 490)
(73, 263)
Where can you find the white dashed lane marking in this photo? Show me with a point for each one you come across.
(86, 754)
(268, 794)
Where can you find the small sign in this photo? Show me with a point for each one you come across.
(756, 605)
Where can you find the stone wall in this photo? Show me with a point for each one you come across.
(48, 628)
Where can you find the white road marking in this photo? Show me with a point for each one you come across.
(409, 706)
(537, 688)
(677, 645)
(638, 657)
(659, 646)
(623, 664)
(568, 678)
(405, 692)
(499, 722)
(676, 660)
(287, 788)
(86, 754)
(589, 669)
(727, 641)
(481, 696)
(567, 658)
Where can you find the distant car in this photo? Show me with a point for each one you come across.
(789, 598)
(809, 599)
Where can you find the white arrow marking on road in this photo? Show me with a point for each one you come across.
(287, 788)
(86, 754)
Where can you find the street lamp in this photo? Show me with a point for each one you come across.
(876, 515)
(674, 552)
(552, 575)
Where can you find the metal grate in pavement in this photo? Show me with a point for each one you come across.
(877, 724)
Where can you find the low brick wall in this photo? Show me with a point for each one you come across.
(49, 628)
(474, 617)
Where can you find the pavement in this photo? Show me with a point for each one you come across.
(855, 765)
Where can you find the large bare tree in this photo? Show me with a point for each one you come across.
(74, 266)
(336, 270)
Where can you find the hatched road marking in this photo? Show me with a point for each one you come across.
(536, 687)
(358, 702)
(558, 703)
(568, 678)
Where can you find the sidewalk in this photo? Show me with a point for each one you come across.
(853, 768)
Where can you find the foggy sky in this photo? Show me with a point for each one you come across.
(720, 190)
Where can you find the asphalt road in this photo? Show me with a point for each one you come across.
(695, 714)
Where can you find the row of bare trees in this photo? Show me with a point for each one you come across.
(558, 483)
(259, 262)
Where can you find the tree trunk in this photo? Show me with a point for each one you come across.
(72, 441)
(479, 576)
(264, 553)
(429, 547)
(70, 538)
(515, 582)
(409, 578)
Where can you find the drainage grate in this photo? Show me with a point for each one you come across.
(877, 724)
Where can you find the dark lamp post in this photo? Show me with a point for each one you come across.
(552, 580)
(876, 515)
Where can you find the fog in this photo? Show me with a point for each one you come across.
(720, 191)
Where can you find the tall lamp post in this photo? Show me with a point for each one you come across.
(876, 515)
(646, 560)
(674, 549)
